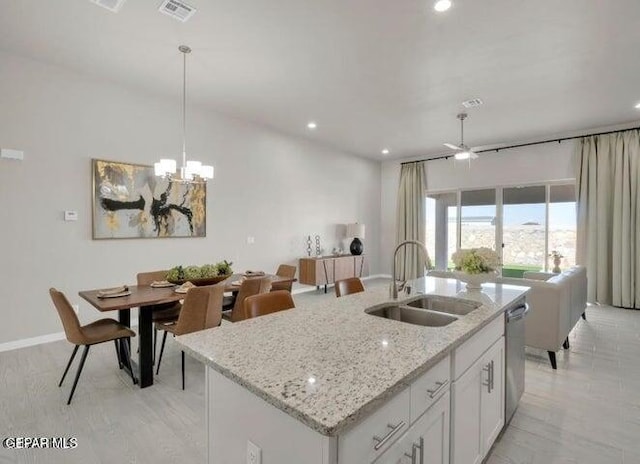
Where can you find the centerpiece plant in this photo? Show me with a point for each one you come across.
(204, 275)
(475, 265)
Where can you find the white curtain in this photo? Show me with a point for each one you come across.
(411, 217)
(608, 196)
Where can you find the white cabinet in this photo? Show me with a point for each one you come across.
(427, 442)
(478, 407)
(493, 394)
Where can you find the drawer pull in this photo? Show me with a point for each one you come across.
(382, 441)
(439, 387)
(414, 453)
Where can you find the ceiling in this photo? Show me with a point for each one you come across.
(372, 73)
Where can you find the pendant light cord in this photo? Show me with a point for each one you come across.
(184, 109)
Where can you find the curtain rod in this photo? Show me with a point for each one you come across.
(519, 145)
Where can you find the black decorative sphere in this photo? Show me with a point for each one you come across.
(356, 247)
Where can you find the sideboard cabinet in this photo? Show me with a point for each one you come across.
(325, 270)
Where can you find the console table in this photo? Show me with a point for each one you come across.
(324, 270)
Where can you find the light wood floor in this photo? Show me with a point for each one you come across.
(588, 411)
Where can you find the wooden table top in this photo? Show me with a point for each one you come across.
(147, 296)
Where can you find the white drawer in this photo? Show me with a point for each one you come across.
(429, 387)
(471, 350)
(388, 423)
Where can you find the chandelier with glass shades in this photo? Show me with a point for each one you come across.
(191, 172)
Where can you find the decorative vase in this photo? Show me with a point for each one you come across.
(474, 281)
(556, 264)
(356, 247)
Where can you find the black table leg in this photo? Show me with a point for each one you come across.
(124, 316)
(145, 332)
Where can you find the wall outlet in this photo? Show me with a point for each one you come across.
(76, 308)
(254, 453)
(251, 240)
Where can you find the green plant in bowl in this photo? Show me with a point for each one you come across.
(207, 274)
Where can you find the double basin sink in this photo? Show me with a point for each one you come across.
(426, 310)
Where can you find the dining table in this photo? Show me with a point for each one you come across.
(149, 299)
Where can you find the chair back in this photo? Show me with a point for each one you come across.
(349, 286)
(248, 288)
(284, 270)
(267, 303)
(147, 278)
(70, 322)
(202, 309)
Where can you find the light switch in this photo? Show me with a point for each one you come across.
(8, 153)
(251, 240)
(70, 215)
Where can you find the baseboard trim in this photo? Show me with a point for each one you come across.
(42, 339)
(26, 342)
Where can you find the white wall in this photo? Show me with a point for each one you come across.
(538, 163)
(272, 187)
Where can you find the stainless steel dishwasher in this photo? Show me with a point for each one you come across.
(514, 353)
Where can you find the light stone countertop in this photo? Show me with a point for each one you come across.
(330, 364)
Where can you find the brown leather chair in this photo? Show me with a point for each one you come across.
(249, 287)
(202, 309)
(100, 331)
(284, 270)
(349, 286)
(168, 312)
(267, 303)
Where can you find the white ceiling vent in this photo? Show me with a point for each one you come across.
(473, 103)
(111, 5)
(176, 9)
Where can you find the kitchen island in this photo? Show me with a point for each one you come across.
(328, 383)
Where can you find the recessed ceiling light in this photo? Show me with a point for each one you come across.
(442, 5)
(385, 151)
(638, 106)
(312, 125)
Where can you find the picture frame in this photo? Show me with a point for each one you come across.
(129, 201)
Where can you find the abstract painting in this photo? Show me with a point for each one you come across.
(129, 201)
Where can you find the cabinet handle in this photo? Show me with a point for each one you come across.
(487, 368)
(382, 441)
(439, 387)
(492, 376)
(414, 452)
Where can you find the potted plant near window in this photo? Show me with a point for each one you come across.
(557, 260)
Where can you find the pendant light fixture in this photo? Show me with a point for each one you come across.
(191, 172)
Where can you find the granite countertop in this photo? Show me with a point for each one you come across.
(329, 364)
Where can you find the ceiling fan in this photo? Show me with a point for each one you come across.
(463, 152)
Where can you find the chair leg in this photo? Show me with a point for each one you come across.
(565, 345)
(584, 315)
(164, 339)
(73, 355)
(115, 342)
(85, 352)
(183, 370)
(155, 345)
(127, 352)
(552, 358)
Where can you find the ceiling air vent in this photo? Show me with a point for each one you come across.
(177, 10)
(111, 5)
(473, 103)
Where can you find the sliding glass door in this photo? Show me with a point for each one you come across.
(442, 228)
(524, 224)
(562, 224)
(478, 218)
(523, 229)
